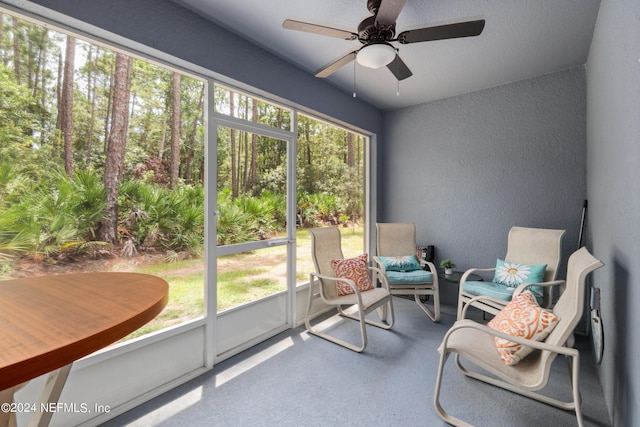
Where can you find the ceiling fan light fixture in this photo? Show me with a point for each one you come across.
(376, 55)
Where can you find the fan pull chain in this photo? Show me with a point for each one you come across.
(398, 73)
(354, 79)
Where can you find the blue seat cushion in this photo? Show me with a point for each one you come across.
(498, 290)
(409, 277)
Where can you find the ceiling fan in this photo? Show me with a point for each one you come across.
(378, 31)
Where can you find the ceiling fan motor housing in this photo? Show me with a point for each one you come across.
(368, 31)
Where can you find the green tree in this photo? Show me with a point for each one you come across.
(174, 164)
(114, 163)
(66, 105)
(18, 119)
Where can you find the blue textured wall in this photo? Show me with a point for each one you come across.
(613, 170)
(466, 169)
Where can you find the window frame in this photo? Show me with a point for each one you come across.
(108, 40)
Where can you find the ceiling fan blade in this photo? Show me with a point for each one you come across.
(334, 66)
(388, 12)
(442, 32)
(399, 68)
(290, 24)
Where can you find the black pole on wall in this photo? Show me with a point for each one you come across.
(584, 216)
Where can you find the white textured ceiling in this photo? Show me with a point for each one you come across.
(521, 39)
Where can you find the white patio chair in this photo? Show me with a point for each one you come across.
(528, 247)
(475, 342)
(325, 248)
(395, 256)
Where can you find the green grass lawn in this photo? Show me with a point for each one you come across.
(242, 278)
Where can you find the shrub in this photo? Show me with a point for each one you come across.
(56, 216)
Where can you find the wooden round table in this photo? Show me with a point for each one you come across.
(48, 322)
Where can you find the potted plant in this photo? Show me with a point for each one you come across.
(447, 265)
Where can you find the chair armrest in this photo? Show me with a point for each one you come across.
(380, 264)
(379, 269)
(430, 265)
(324, 276)
(481, 298)
(349, 282)
(383, 276)
(433, 271)
(523, 286)
(474, 270)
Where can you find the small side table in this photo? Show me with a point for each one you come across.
(455, 278)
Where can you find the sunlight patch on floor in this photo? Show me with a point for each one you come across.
(166, 412)
(253, 361)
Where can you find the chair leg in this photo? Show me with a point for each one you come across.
(569, 364)
(433, 315)
(357, 348)
(384, 310)
(567, 406)
(460, 307)
(436, 396)
(386, 315)
(361, 319)
(383, 324)
(577, 400)
(316, 332)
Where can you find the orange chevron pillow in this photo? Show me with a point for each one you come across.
(355, 269)
(521, 317)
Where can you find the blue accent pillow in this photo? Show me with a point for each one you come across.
(513, 274)
(400, 263)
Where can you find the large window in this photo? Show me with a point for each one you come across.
(102, 168)
(101, 164)
(252, 186)
(331, 187)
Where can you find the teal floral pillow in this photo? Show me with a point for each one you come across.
(400, 263)
(512, 274)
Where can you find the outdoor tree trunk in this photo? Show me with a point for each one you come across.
(91, 98)
(59, 96)
(163, 138)
(350, 151)
(66, 125)
(245, 173)
(4, 59)
(310, 180)
(254, 150)
(16, 50)
(43, 80)
(40, 59)
(107, 119)
(234, 173)
(174, 167)
(114, 162)
(192, 140)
